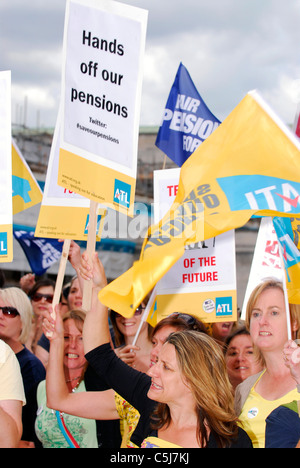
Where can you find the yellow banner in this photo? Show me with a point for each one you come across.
(238, 172)
(115, 190)
(61, 222)
(26, 190)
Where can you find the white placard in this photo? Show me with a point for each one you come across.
(6, 207)
(102, 80)
(5, 149)
(207, 268)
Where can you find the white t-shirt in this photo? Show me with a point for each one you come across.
(11, 383)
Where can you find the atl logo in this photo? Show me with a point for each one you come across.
(122, 193)
(3, 243)
(223, 306)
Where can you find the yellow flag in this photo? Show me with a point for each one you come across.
(250, 165)
(26, 191)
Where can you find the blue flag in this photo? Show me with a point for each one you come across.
(187, 121)
(41, 253)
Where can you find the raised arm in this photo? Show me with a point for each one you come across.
(291, 354)
(75, 259)
(126, 381)
(96, 327)
(90, 405)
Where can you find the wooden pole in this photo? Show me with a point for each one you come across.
(165, 162)
(60, 276)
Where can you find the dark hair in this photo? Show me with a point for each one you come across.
(118, 336)
(2, 279)
(239, 331)
(39, 284)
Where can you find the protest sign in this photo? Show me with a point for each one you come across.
(187, 121)
(6, 234)
(203, 280)
(26, 191)
(63, 213)
(101, 91)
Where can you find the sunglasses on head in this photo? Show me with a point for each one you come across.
(9, 311)
(38, 297)
(188, 319)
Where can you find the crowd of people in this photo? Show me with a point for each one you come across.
(80, 379)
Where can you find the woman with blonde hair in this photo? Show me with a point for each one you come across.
(15, 326)
(259, 395)
(18, 299)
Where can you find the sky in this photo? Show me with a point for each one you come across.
(229, 47)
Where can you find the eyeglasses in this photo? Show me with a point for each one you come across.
(139, 310)
(9, 311)
(37, 297)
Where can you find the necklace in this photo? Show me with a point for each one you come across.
(72, 380)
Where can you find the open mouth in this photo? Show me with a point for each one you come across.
(72, 356)
(265, 333)
(155, 386)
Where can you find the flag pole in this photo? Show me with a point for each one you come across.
(145, 315)
(286, 299)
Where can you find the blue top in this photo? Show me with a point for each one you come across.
(32, 369)
(283, 427)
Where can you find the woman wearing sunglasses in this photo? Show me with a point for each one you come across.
(15, 327)
(41, 296)
(125, 330)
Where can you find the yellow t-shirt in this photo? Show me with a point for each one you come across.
(129, 419)
(11, 382)
(255, 411)
(155, 442)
